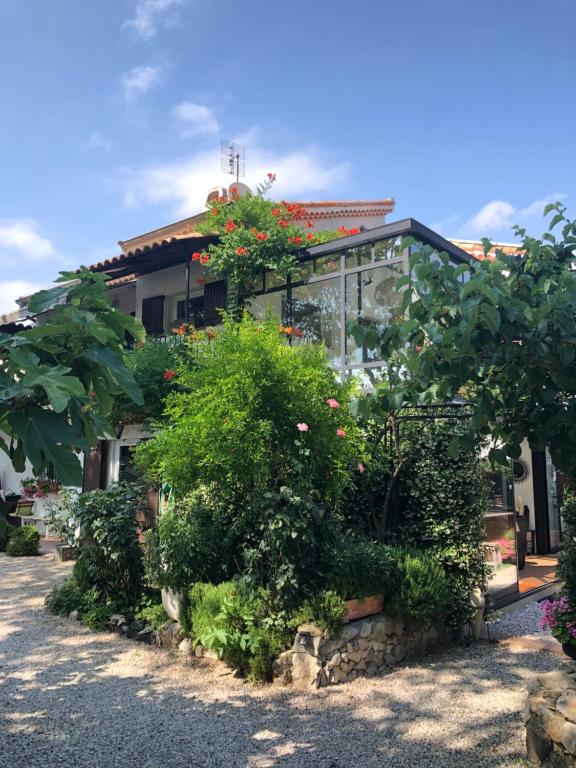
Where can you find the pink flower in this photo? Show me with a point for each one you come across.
(341, 433)
(361, 468)
(302, 427)
(331, 403)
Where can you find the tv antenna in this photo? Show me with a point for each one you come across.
(232, 159)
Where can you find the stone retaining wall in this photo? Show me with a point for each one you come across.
(362, 647)
(551, 719)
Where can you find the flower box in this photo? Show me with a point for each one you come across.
(367, 606)
(24, 508)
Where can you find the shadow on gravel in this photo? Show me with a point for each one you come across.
(65, 700)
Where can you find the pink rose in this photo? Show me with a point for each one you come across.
(361, 468)
(341, 433)
(302, 427)
(331, 403)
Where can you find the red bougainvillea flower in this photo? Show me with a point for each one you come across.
(342, 230)
(169, 374)
(361, 468)
(332, 403)
(287, 330)
(309, 224)
(214, 211)
(276, 211)
(302, 427)
(204, 259)
(353, 231)
(310, 236)
(262, 236)
(298, 333)
(283, 223)
(241, 251)
(196, 256)
(418, 348)
(210, 334)
(297, 240)
(230, 226)
(271, 176)
(341, 432)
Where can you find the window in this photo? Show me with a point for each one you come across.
(195, 311)
(275, 304)
(372, 301)
(357, 257)
(316, 312)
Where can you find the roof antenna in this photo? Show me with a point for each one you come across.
(232, 159)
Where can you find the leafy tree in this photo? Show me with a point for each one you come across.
(501, 332)
(58, 380)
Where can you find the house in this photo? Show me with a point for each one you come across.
(352, 278)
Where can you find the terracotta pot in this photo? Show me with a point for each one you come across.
(569, 650)
(367, 606)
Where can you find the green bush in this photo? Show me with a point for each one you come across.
(5, 533)
(113, 561)
(65, 598)
(61, 517)
(151, 611)
(23, 542)
(326, 610)
(188, 545)
(358, 567)
(238, 626)
(422, 592)
(567, 558)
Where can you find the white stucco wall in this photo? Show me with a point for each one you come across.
(524, 491)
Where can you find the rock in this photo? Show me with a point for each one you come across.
(305, 670)
(568, 738)
(552, 723)
(311, 629)
(146, 635)
(356, 656)
(212, 655)
(185, 647)
(199, 651)
(282, 668)
(366, 629)
(170, 635)
(538, 744)
(557, 680)
(349, 632)
(74, 615)
(566, 704)
(334, 661)
(117, 619)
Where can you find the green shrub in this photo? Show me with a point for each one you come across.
(96, 615)
(422, 592)
(65, 598)
(113, 562)
(188, 545)
(238, 626)
(5, 533)
(326, 610)
(61, 517)
(23, 542)
(151, 611)
(567, 558)
(358, 567)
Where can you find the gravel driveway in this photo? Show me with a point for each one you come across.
(72, 698)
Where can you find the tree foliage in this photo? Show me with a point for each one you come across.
(58, 379)
(501, 332)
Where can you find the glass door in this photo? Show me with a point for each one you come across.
(554, 520)
(500, 543)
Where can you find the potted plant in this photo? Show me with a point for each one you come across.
(24, 507)
(559, 616)
(11, 498)
(363, 606)
(28, 487)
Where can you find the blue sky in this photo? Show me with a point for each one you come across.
(112, 113)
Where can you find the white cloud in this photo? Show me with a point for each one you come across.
(149, 15)
(138, 80)
(184, 184)
(498, 216)
(20, 239)
(97, 140)
(10, 290)
(196, 119)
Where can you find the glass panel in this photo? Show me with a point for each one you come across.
(302, 271)
(554, 525)
(256, 285)
(273, 280)
(500, 550)
(316, 313)
(357, 257)
(274, 304)
(371, 300)
(327, 264)
(127, 472)
(195, 312)
(387, 249)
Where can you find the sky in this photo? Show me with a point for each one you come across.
(112, 112)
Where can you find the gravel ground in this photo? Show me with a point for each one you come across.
(523, 622)
(71, 698)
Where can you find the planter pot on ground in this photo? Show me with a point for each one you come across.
(172, 602)
(569, 650)
(63, 553)
(367, 606)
